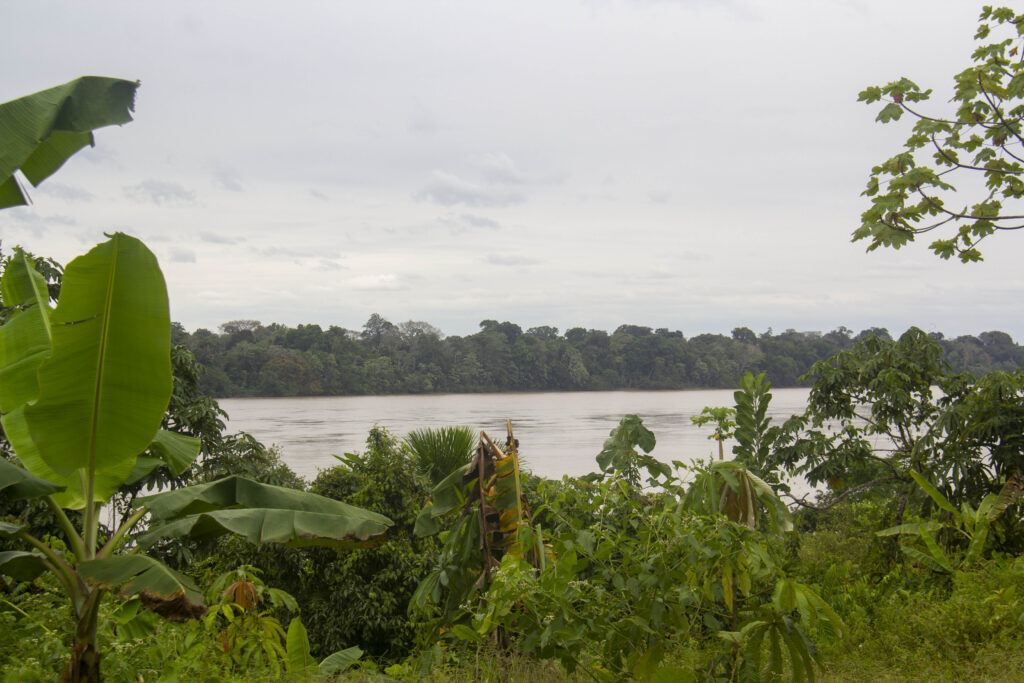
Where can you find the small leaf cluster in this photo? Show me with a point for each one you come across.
(913, 192)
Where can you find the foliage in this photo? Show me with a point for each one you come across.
(722, 418)
(630, 577)
(43, 130)
(620, 455)
(883, 409)
(971, 524)
(252, 359)
(485, 503)
(355, 598)
(83, 390)
(440, 450)
(909, 196)
(360, 598)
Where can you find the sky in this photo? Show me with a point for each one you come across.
(690, 164)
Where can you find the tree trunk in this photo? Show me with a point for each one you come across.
(84, 666)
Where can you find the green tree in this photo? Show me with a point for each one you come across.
(978, 144)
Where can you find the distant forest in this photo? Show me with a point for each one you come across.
(248, 358)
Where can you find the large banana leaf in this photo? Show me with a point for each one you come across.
(163, 590)
(39, 132)
(25, 337)
(104, 388)
(262, 514)
(22, 565)
(17, 484)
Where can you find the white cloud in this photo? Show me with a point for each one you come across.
(160, 192)
(448, 189)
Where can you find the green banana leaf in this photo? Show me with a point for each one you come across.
(262, 514)
(104, 388)
(297, 648)
(451, 493)
(25, 337)
(8, 530)
(22, 565)
(934, 494)
(161, 589)
(339, 661)
(176, 451)
(17, 484)
(43, 130)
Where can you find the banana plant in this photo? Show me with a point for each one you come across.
(971, 524)
(493, 522)
(43, 130)
(83, 388)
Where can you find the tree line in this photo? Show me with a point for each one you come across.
(247, 358)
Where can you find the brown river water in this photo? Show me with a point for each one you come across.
(559, 433)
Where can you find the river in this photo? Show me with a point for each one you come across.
(559, 433)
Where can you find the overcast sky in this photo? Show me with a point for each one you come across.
(694, 164)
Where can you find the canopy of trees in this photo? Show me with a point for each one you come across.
(250, 359)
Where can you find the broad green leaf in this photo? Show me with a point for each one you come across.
(339, 661)
(163, 590)
(647, 663)
(18, 484)
(25, 337)
(107, 382)
(463, 632)
(936, 552)
(923, 558)
(977, 544)
(22, 565)
(297, 643)
(262, 514)
(43, 130)
(912, 528)
(8, 530)
(934, 493)
(176, 451)
(1009, 494)
(72, 495)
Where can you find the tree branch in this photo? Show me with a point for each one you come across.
(848, 492)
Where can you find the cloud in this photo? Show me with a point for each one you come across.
(182, 255)
(377, 282)
(511, 260)
(499, 169)
(311, 251)
(228, 179)
(448, 189)
(160, 192)
(479, 221)
(29, 217)
(217, 239)
(68, 193)
(327, 264)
